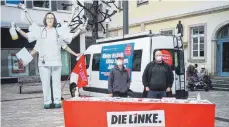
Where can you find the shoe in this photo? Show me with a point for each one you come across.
(57, 105)
(47, 106)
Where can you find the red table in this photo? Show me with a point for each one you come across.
(94, 113)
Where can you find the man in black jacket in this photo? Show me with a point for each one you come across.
(157, 77)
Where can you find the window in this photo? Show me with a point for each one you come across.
(175, 59)
(179, 62)
(197, 42)
(223, 33)
(44, 4)
(65, 59)
(64, 5)
(168, 57)
(137, 58)
(141, 2)
(96, 62)
(87, 59)
(13, 2)
(10, 66)
(167, 32)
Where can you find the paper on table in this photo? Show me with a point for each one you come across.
(25, 56)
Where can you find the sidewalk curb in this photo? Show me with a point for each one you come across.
(222, 119)
(18, 99)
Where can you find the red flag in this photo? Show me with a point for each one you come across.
(80, 70)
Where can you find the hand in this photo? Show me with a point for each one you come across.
(75, 3)
(21, 62)
(78, 54)
(16, 27)
(110, 95)
(22, 6)
(168, 89)
(84, 26)
(13, 24)
(147, 88)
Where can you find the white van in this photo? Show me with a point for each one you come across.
(145, 45)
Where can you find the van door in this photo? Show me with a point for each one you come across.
(181, 91)
(97, 87)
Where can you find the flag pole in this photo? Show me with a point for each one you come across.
(77, 59)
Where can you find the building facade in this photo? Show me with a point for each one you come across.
(205, 28)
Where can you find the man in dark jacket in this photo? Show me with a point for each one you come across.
(119, 80)
(192, 69)
(157, 77)
(192, 76)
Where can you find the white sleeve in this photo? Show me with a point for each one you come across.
(62, 43)
(64, 33)
(34, 32)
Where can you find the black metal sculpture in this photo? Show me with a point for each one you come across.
(94, 11)
(180, 28)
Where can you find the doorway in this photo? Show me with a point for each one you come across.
(224, 58)
(223, 51)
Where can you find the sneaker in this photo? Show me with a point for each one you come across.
(57, 105)
(47, 106)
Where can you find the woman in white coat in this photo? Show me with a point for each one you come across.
(50, 40)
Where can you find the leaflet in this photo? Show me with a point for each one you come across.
(25, 56)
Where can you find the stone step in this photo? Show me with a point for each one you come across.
(220, 78)
(220, 81)
(223, 82)
(220, 85)
(220, 89)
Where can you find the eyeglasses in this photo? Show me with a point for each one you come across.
(50, 18)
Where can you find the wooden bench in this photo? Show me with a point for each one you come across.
(29, 81)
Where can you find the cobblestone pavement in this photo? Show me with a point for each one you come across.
(220, 99)
(26, 110)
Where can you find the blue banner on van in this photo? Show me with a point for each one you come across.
(109, 55)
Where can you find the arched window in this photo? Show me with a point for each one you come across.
(223, 32)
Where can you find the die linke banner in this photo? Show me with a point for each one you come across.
(109, 55)
(153, 118)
